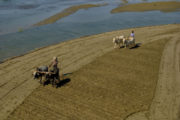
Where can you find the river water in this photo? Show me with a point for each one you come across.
(20, 15)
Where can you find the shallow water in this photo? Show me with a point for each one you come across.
(17, 14)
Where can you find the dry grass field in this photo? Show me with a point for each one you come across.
(113, 86)
(103, 83)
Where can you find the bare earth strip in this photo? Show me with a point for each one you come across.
(16, 81)
(166, 103)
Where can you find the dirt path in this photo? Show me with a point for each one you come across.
(16, 82)
(166, 103)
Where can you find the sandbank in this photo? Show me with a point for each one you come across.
(169, 6)
(66, 12)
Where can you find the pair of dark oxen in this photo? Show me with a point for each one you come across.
(46, 77)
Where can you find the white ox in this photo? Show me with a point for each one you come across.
(129, 42)
(118, 40)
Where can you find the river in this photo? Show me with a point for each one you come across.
(18, 36)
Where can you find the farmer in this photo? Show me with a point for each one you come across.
(54, 62)
(54, 70)
(132, 34)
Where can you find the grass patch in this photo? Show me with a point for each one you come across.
(125, 1)
(20, 30)
(113, 86)
(171, 31)
(123, 80)
(169, 6)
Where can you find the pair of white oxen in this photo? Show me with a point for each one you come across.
(124, 41)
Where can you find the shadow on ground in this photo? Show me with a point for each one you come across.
(63, 82)
(136, 46)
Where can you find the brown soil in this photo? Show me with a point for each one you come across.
(169, 6)
(83, 97)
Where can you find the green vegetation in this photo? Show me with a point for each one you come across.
(20, 30)
(124, 1)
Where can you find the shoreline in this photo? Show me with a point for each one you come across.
(16, 80)
(37, 49)
(66, 12)
(73, 9)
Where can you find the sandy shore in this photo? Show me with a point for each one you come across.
(16, 82)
